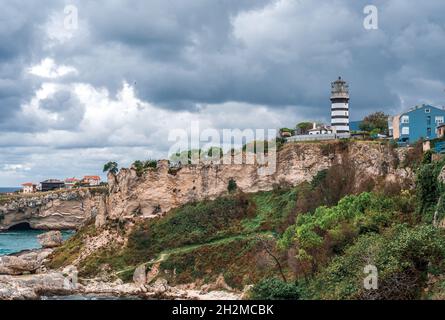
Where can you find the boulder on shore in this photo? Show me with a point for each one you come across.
(139, 276)
(33, 286)
(26, 262)
(51, 239)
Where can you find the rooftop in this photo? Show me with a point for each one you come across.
(52, 181)
(91, 178)
(28, 184)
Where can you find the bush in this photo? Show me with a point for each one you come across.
(319, 178)
(191, 224)
(414, 156)
(428, 189)
(317, 237)
(275, 289)
(143, 166)
(427, 157)
(402, 254)
(232, 186)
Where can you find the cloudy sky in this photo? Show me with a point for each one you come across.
(111, 87)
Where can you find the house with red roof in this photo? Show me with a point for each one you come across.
(70, 183)
(29, 187)
(92, 181)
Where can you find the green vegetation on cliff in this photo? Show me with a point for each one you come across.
(308, 242)
(203, 240)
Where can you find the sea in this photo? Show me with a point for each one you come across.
(15, 241)
(19, 240)
(9, 189)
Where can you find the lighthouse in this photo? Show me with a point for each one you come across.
(340, 106)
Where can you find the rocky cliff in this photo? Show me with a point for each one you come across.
(160, 190)
(132, 200)
(61, 210)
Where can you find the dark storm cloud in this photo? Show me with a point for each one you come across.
(182, 53)
(223, 60)
(20, 41)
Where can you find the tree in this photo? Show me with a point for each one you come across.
(377, 122)
(232, 186)
(111, 167)
(304, 127)
(143, 166)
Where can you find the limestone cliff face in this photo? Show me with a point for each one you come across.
(158, 191)
(52, 211)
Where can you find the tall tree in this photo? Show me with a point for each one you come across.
(377, 121)
(304, 127)
(111, 167)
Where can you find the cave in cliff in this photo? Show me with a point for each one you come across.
(21, 227)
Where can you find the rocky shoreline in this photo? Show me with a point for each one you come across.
(23, 276)
(57, 210)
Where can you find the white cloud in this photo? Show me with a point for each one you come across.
(122, 128)
(16, 167)
(237, 64)
(48, 68)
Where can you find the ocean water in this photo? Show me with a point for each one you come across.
(20, 240)
(9, 190)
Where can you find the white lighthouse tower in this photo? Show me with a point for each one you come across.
(340, 106)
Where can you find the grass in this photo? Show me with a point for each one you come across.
(239, 259)
(272, 210)
(209, 231)
(70, 250)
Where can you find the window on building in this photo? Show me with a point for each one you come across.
(428, 120)
(428, 132)
(405, 119)
(439, 120)
(405, 130)
(427, 110)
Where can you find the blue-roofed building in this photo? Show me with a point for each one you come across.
(420, 122)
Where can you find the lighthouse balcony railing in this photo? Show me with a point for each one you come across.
(339, 95)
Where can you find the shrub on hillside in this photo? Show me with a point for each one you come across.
(275, 289)
(319, 178)
(316, 237)
(414, 156)
(191, 224)
(232, 186)
(403, 256)
(143, 166)
(429, 189)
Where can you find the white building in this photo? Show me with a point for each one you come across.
(29, 187)
(92, 181)
(320, 129)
